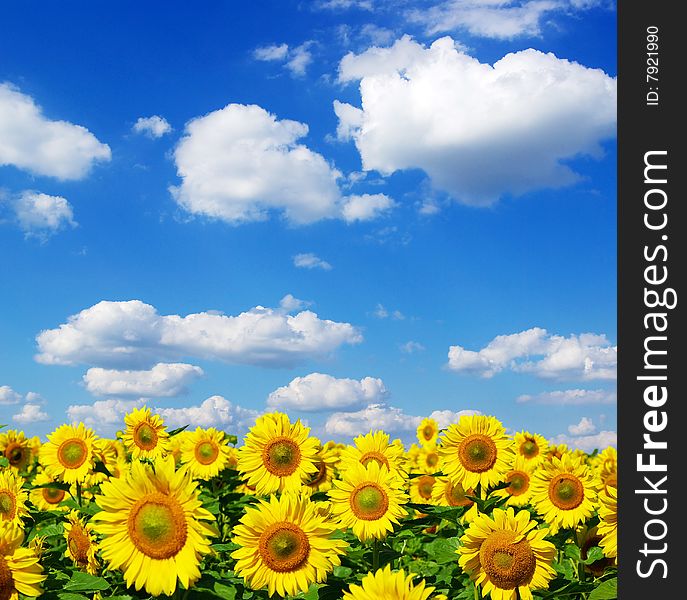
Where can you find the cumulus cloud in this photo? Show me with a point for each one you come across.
(381, 312)
(295, 59)
(571, 397)
(588, 443)
(154, 127)
(216, 412)
(586, 356)
(271, 52)
(479, 131)
(32, 142)
(164, 379)
(241, 163)
(103, 416)
(308, 260)
(132, 334)
(318, 392)
(29, 414)
(40, 215)
(8, 395)
(584, 427)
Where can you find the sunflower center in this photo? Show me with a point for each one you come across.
(53, 495)
(281, 456)
(320, 476)
(378, 457)
(16, 454)
(72, 453)
(518, 482)
(6, 580)
(145, 436)
(284, 547)
(8, 505)
(477, 453)
(507, 564)
(428, 432)
(611, 481)
(369, 501)
(456, 495)
(424, 486)
(207, 452)
(432, 459)
(566, 491)
(79, 544)
(157, 526)
(529, 448)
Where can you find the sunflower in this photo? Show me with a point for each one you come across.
(608, 521)
(421, 489)
(81, 543)
(368, 500)
(447, 493)
(564, 492)
(154, 526)
(12, 500)
(428, 459)
(506, 555)
(556, 451)
(20, 569)
(276, 455)
(428, 432)
(519, 480)
(68, 454)
(326, 460)
(285, 545)
(146, 435)
(16, 449)
(586, 539)
(205, 453)
(383, 584)
(47, 498)
(606, 466)
(476, 451)
(531, 446)
(375, 447)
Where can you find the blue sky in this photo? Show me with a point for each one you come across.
(362, 212)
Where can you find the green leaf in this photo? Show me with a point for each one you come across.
(4, 463)
(177, 431)
(83, 582)
(232, 439)
(593, 554)
(443, 550)
(608, 590)
(571, 551)
(71, 596)
(224, 591)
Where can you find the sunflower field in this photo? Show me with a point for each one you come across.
(467, 512)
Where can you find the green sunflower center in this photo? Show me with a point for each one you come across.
(456, 495)
(281, 456)
(145, 436)
(8, 505)
(157, 526)
(428, 432)
(432, 459)
(529, 448)
(507, 564)
(284, 547)
(566, 491)
(477, 453)
(207, 452)
(72, 453)
(53, 495)
(425, 485)
(369, 501)
(6, 580)
(518, 482)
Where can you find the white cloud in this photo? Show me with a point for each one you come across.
(40, 215)
(31, 413)
(8, 395)
(500, 19)
(571, 397)
(164, 379)
(344, 4)
(411, 346)
(308, 260)
(318, 392)
(478, 131)
(103, 416)
(132, 334)
(34, 143)
(240, 164)
(271, 52)
(154, 127)
(34, 398)
(365, 207)
(216, 412)
(381, 312)
(584, 427)
(586, 356)
(295, 59)
(589, 443)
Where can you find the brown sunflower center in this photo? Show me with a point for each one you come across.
(529, 448)
(281, 456)
(8, 505)
(72, 453)
(566, 491)
(428, 432)
(206, 452)
(598, 567)
(79, 544)
(507, 564)
(375, 456)
(611, 481)
(284, 547)
(424, 486)
(16, 454)
(320, 476)
(518, 482)
(6, 580)
(477, 453)
(145, 436)
(369, 501)
(157, 526)
(432, 459)
(53, 495)
(456, 495)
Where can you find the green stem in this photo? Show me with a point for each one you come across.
(375, 555)
(78, 493)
